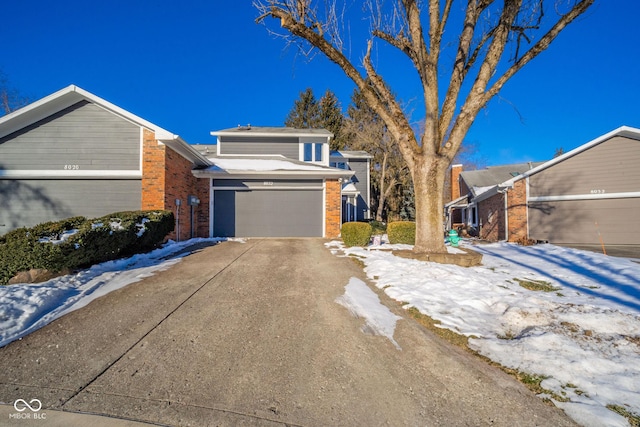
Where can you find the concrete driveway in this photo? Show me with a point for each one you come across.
(250, 334)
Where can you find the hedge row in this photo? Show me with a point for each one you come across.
(91, 241)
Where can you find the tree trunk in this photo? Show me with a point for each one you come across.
(382, 195)
(428, 184)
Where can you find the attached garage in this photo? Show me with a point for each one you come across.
(585, 222)
(278, 209)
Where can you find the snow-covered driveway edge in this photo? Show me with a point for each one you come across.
(25, 308)
(583, 336)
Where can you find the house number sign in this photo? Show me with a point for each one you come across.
(597, 191)
(71, 167)
(267, 183)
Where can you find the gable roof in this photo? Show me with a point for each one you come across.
(479, 181)
(625, 131)
(493, 175)
(71, 95)
(272, 131)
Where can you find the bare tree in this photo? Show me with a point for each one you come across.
(365, 130)
(10, 98)
(494, 41)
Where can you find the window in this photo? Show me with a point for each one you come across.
(313, 151)
(308, 152)
(318, 153)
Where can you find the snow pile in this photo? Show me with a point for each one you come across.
(362, 302)
(25, 308)
(582, 334)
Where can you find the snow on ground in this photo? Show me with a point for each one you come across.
(362, 302)
(582, 335)
(25, 308)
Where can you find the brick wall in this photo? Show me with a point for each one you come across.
(332, 208)
(166, 176)
(455, 181)
(517, 211)
(153, 159)
(491, 218)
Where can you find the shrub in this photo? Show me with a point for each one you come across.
(96, 240)
(378, 227)
(356, 233)
(402, 232)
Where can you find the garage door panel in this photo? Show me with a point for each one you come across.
(585, 221)
(268, 213)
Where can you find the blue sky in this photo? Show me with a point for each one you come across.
(196, 66)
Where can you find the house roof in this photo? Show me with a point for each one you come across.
(272, 131)
(350, 154)
(494, 175)
(625, 131)
(234, 167)
(71, 95)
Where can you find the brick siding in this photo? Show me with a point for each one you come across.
(166, 176)
(491, 218)
(333, 205)
(517, 211)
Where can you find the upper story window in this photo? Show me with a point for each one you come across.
(313, 151)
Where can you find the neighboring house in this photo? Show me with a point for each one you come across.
(356, 192)
(468, 186)
(587, 196)
(273, 182)
(73, 153)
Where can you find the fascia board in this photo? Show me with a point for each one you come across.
(282, 174)
(178, 145)
(65, 98)
(301, 134)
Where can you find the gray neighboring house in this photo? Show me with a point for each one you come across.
(273, 182)
(356, 192)
(587, 196)
(74, 154)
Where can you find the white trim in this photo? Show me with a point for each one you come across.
(266, 187)
(626, 195)
(324, 208)
(211, 208)
(141, 147)
(625, 131)
(37, 173)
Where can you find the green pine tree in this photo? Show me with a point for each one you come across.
(305, 112)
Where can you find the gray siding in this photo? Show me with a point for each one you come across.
(30, 202)
(361, 168)
(83, 134)
(268, 213)
(610, 167)
(286, 146)
(265, 184)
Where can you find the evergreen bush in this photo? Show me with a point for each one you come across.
(95, 240)
(402, 232)
(356, 233)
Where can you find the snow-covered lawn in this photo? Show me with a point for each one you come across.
(582, 334)
(25, 308)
